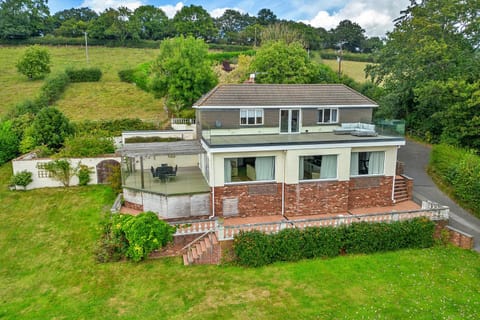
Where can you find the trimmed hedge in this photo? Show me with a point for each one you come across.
(254, 248)
(84, 74)
(80, 41)
(53, 87)
(221, 56)
(150, 139)
(360, 57)
(112, 127)
(138, 75)
(459, 169)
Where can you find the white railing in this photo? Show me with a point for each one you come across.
(228, 232)
(194, 227)
(187, 121)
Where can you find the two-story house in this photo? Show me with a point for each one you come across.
(293, 150)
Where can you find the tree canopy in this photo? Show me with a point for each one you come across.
(34, 63)
(433, 46)
(21, 19)
(182, 73)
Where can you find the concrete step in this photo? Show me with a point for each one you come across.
(213, 238)
(185, 260)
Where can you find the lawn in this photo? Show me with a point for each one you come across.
(108, 99)
(353, 69)
(48, 271)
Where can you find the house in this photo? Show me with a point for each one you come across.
(269, 150)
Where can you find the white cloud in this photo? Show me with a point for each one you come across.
(171, 10)
(99, 6)
(375, 16)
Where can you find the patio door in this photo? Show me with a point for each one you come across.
(289, 121)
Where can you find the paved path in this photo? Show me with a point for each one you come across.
(416, 157)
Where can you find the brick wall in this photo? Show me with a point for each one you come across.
(409, 187)
(134, 206)
(367, 192)
(460, 239)
(316, 198)
(253, 199)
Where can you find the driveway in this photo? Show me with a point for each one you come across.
(416, 157)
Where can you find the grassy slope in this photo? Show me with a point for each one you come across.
(47, 270)
(108, 99)
(353, 69)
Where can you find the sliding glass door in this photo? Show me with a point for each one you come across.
(289, 121)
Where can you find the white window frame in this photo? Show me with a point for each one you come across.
(248, 113)
(332, 111)
(319, 179)
(367, 174)
(253, 181)
(289, 129)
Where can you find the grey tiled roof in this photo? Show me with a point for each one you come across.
(257, 95)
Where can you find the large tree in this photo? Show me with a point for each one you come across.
(182, 73)
(153, 22)
(434, 43)
(23, 18)
(279, 62)
(194, 21)
(231, 23)
(34, 63)
(349, 35)
(266, 16)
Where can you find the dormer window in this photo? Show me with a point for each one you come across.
(251, 116)
(327, 115)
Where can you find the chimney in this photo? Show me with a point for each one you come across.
(251, 79)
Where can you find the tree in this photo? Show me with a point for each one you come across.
(153, 22)
(278, 62)
(266, 17)
(349, 34)
(283, 32)
(434, 43)
(115, 24)
(231, 23)
(50, 128)
(182, 72)
(35, 62)
(194, 21)
(76, 14)
(20, 19)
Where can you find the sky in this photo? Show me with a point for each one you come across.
(375, 16)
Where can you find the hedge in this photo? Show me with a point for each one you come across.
(459, 170)
(138, 75)
(221, 56)
(112, 127)
(80, 41)
(254, 248)
(84, 74)
(360, 57)
(53, 87)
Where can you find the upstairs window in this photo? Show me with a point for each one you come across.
(251, 116)
(327, 115)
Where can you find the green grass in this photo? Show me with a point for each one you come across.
(108, 99)
(47, 271)
(353, 69)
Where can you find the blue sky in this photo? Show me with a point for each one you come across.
(375, 16)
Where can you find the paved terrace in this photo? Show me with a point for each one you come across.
(313, 138)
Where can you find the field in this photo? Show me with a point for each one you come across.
(48, 271)
(353, 69)
(109, 99)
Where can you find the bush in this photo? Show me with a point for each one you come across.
(86, 146)
(255, 249)
(115, 179)
(232, 55)
(126, 75)
(134, 237)
(84, 175)
(53, 87)
(84, 74)
(8, 141)
(23, 179)
(139, 75)
(112, 127)
(459, 169)
(61, 170)
(50, 128)
(35, 63)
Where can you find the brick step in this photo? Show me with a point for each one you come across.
(402, 199)
(201, 249)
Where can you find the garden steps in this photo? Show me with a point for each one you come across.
(400, 193)
(205, 250)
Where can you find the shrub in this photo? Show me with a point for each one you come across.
(150, 139)
(50, 128)
(22, 178)
(53, 88)
(134, 237)
(254, 248)
(86, 146)
(35, 62)
(115, 179)
(229, 56)
(112, 127)
(9, 142)
(126, 75)
(84, 175)
(61, 170)
(84, 74)
(138, 75)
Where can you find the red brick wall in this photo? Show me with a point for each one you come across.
(460, 239)
(316, 198)
(253, 199)
(367, 192)
(134, 206)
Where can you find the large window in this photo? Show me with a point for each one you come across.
(367, 163)
(289, 121)
(249, 169)
(327, 115)
(317, 167)
(251, 116)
